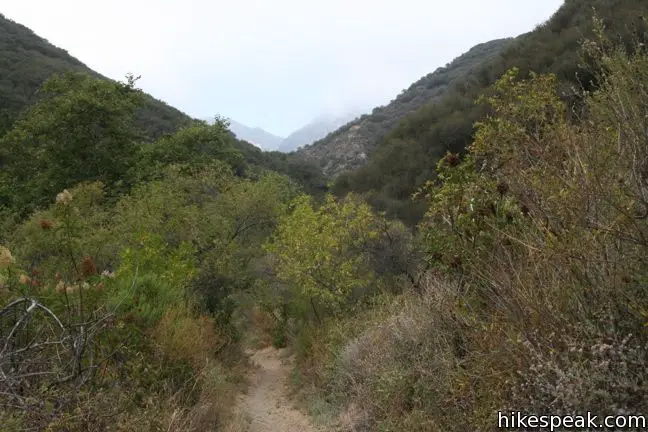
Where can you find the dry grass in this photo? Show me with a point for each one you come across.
(185, 338)
(214, 410)
(546, 307)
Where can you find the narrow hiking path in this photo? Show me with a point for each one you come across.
(266, 405)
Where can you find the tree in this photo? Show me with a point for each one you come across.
(80, 130)
(196, 145)
(320, 252)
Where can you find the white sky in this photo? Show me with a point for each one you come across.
(275, 64)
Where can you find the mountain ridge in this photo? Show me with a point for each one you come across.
(404, 159)
(28, 60)
(348, 147)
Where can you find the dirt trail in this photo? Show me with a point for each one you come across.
(266, 405)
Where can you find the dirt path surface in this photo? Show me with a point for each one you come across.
(266, 405)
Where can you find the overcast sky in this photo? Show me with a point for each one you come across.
(275, 64)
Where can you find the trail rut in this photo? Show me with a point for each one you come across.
(266, 405)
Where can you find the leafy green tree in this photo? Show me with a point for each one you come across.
(196, 145)
(80, 130)
(320, 253)
(224, 217)
(248, 212)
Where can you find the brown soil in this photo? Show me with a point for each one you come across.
(266, 406)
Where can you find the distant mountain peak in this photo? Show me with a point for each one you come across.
(315, 130)
(255, 135)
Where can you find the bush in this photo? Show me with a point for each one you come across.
(535, 300)
(96, 346)
(183, 338)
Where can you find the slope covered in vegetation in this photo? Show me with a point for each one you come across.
(128, 272)
(133, 273)
(27, 61)
(118, 262)
(405, 159)
(346, 148)
(532, 297)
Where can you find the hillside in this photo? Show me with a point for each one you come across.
(347, 148)
(317, 129)
(182, 283)
(27, 60)
(405, 158)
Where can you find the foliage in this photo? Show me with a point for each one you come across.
(196, 146)
(121, 301)
(57, 239)
(537, 238)
(328, 260)
(20, 79)
(182, 337)
(475, 204)
(405, 158)
(157, 268)
(304, 173)
(27, 61)
(122, 304)
(320, 251)
(153, 277)
(535, 298)
(81, 130)
(59, 333)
